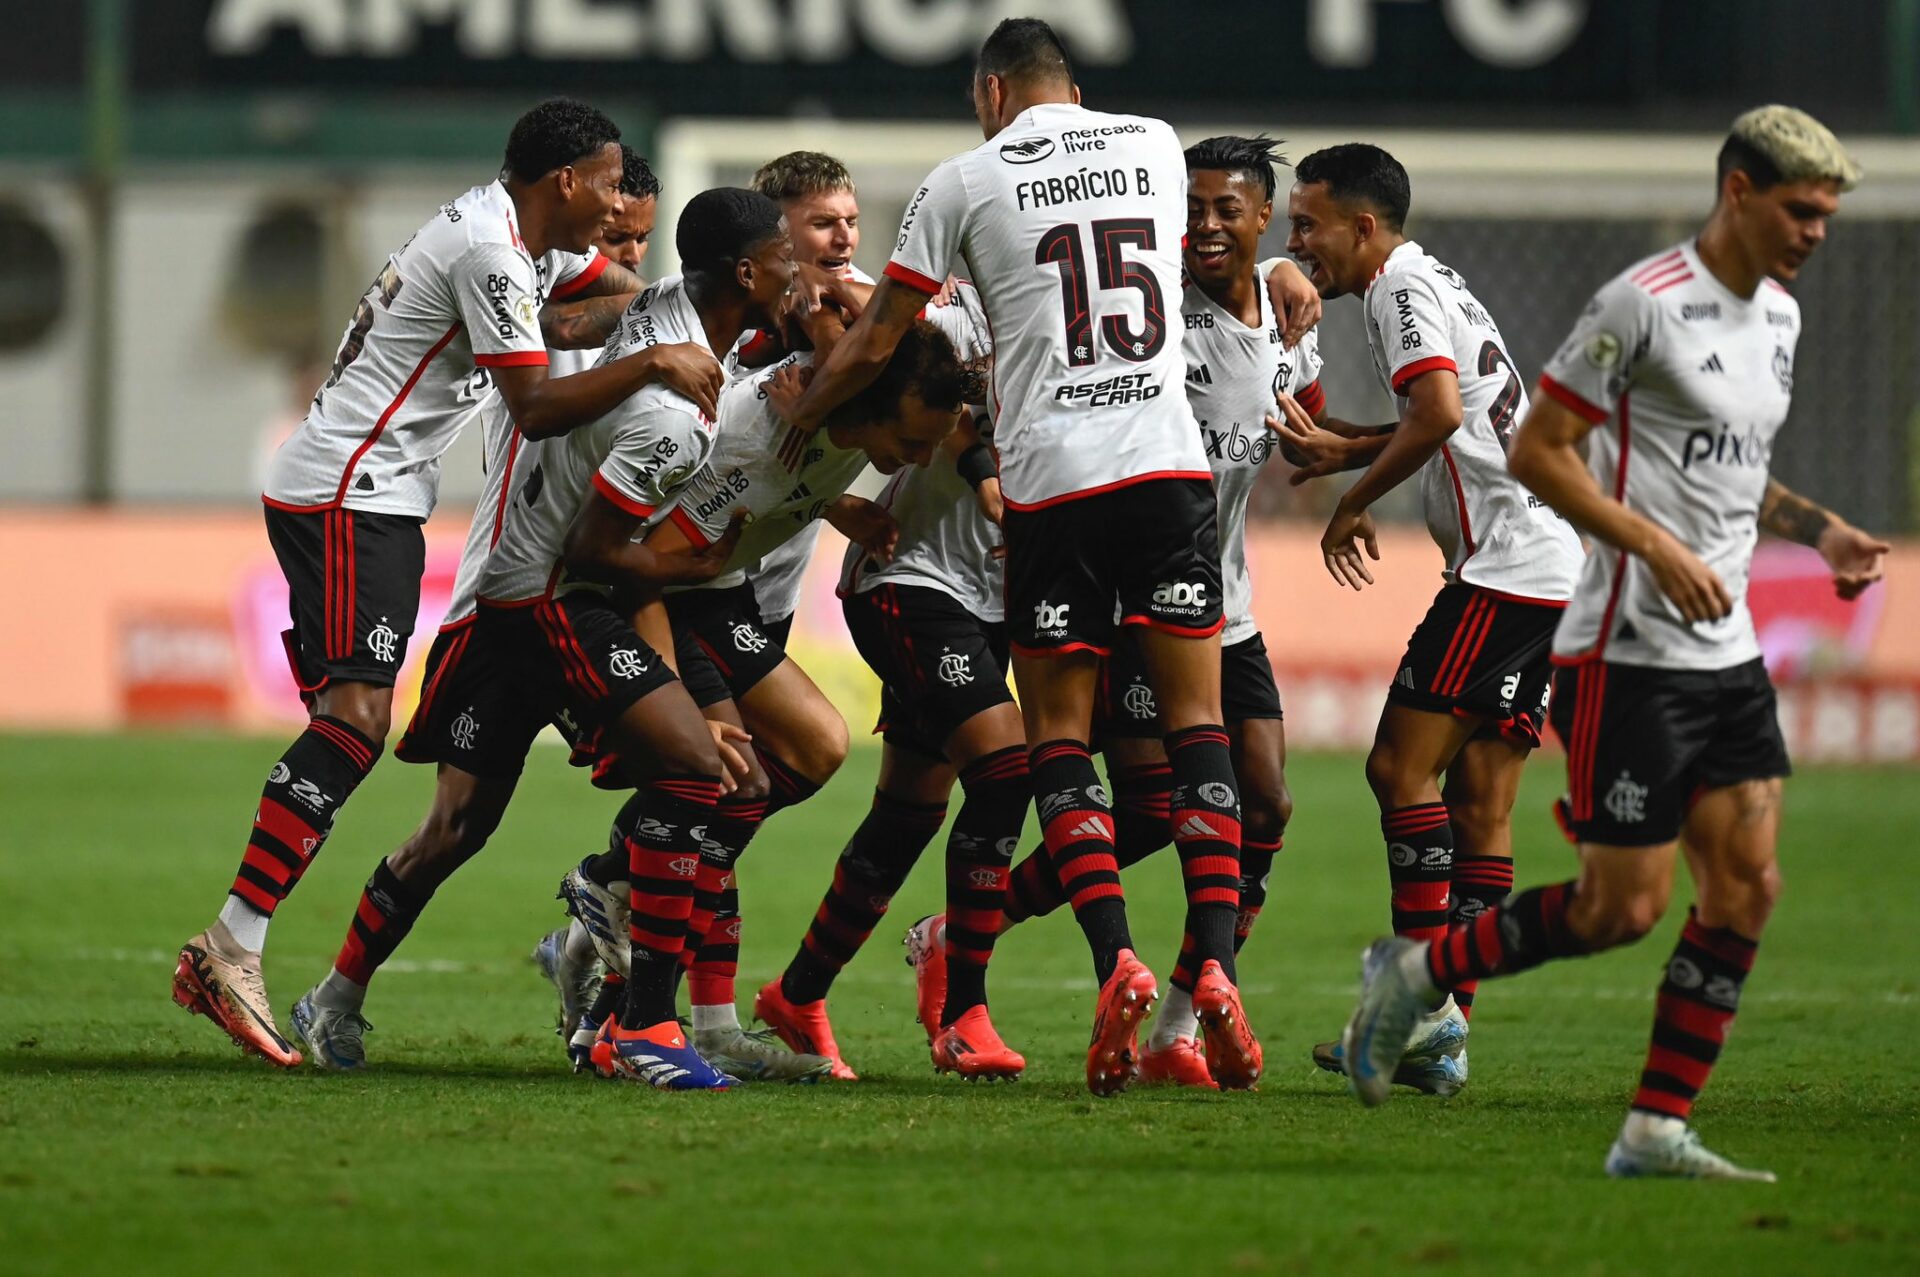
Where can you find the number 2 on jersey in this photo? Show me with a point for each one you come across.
(1062, 247)
(1505, 407)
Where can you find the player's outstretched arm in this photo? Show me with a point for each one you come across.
(859, 356)
(544, 406)
(601, 548)
(588, 317)
(1857, 558)
(1546, 457)
(1321, 445)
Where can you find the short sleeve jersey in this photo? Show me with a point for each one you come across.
(1495, 533)
(460, 297)
(1233, 375)
(639, 456)
(781, 478)
(1690, 385)
(946, 543)
(1069, 223)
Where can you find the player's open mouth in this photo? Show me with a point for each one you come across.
(835, 265)
(1308, 264)
(1211, 254)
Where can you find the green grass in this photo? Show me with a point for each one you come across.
(133, 1137)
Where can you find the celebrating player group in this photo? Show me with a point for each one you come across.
(1070, 373)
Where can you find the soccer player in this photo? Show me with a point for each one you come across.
(1236, 365)
(1469, 699)
(1676, 381)
(453, 313)
(1070, 222)
(547, 642)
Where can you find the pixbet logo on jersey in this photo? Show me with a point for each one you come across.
(1726, 447)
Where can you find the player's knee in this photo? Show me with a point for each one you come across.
(1742, 896)
(1478, 823)
(1386, 776)
(822, 750)
(371, 716)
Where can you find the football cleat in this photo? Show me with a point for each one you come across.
(1126, 999)
(1234, 1057)
(927, 955)
(575, 982)
(804, 1028)
(1442, 1032)
(658, 1055)
(1179, 1064)
(580, 1045)
(971, 1047)
(1391, 1004)
(335, 1037)
(758, 1056)
(216, 978)
(603, 913)
(1443, 1075)
(1676, 1154)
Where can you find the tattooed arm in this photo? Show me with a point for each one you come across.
(582, 325)
(1857, 559)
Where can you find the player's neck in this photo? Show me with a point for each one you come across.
(1374, 254)
(723, 312)
(529, 218)
(1026, 97)
(1238, 294)
(1719, 250)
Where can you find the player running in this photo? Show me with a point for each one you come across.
(1470, 697)
(454, 314)
(1069, 221)
(1236, 365)
(1685, 362)
(549, 641)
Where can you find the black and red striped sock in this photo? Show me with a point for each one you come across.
(1525, 931)
(663, 855)
(785, 786)
(1698, 999)
(303, 793)
(1479, 883)
(711, 957)
(1256, 866)
(387, 910)
(1420, 866)
(986, 833)
(1205, 818)
(1076, 820)
(1141, 798)
(871, 868)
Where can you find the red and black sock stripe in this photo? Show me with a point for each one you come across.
(1205, 818)
(1142, 811)
(1479, 883)
(663, 855)
(387, 911)
(712, 954)
(1525, 931)
(1698, 1000)
(1420, 866)
(1256, 867)
(786, 787)
(986, 832)
(303, 793)
(1077, 822)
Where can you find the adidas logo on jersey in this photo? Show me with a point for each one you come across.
(1200, 376)
(1713, 363)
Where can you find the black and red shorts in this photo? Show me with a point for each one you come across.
(722, 647)
(1127, 708)
(938, 663)
(1152, 546)
(1480, 654)
(353, 588)
(1643, 744)
(492, 684)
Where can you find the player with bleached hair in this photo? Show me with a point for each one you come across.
(1676, 381)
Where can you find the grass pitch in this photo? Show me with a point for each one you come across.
(134, 1138)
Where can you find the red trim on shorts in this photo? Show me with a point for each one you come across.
(1179, 631)
(1432, 363)
(680, 519)
(455, 650)
(300, 684)
(448, 627)
(1582, 407)
(513, 359)
(1477, 644)
(566, 645)
(1106, 487)
(639, 509)
(380, 426)
(1507, 596)
(595, 269)
(1469, 617)
(1062, 650)
(911, 278)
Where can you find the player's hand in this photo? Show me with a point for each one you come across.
(729, 739)
(689, 369)
(711, 561)
(784, 389)
(815, 289)
(1340, 546)
(1857, 558)
(992, 504)
(867, 524)
(1692, 586)
(946, 294)
(1316, 452)
(1295, 300)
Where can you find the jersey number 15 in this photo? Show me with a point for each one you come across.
(1062, 246)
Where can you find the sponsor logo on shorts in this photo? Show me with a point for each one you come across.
(1509, 688)
(748, 639)
(1186, 598)
(1138, 701)
(1626, 801)
(956, 668)
(1050, 620)
(625, 662)
(464, 729)
(383, 642)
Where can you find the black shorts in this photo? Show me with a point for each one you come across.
(1126, 706)
(1153, 546)
(1643, 744)
(353, 588)
(938, 663)
(492, 684)
(1482, 655)
(723, 649)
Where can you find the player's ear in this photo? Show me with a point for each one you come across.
(1736, 187)
(1265, 217)
(1364, 225)
(566, 181)
(1076, 95)
(743, 273)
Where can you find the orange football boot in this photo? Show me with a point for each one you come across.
(1126, 999)
(804, 1028)
(927, 955)
(1180, 1064)
(971, 1047)
(1234, 1057)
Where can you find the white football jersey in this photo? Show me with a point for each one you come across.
(1233, 375)
(748, 472)
(460, 297)
(1069, 222)
(1695, 383)
(639, 456)
(1495, 533)
(946, 543)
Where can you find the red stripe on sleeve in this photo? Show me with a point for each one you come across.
(513, 359)
(690, 529)
(1573, 401)
(1312, 398)
(911, 278)
(606, 489)
(1433, 363)
(596, 268)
